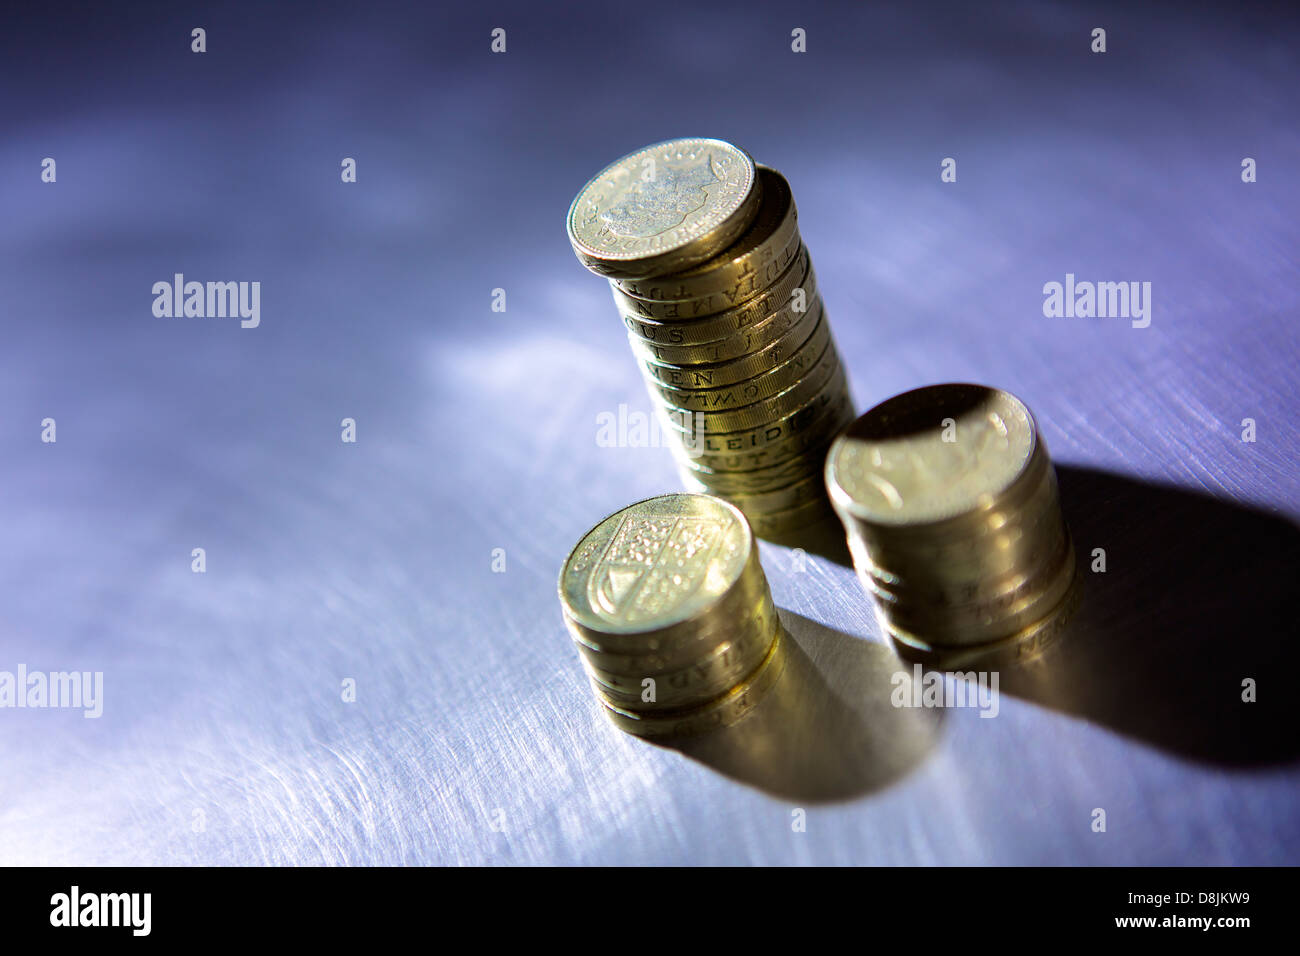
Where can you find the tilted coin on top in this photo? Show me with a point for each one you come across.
(664, 208)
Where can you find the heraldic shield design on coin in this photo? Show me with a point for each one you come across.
(654, 564)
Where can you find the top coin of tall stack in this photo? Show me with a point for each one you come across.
(717, 290)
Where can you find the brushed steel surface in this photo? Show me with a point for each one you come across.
(473, 737)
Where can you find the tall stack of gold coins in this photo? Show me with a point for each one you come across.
(950, 504)
(717, 290)
(672, 615)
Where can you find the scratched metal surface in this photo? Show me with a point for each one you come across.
(224, 738)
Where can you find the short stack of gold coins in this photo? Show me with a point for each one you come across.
(950, 505)
(672, 615)
(717, 290)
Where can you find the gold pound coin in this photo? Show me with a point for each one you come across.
(750, 390)
(746, 267)
(655, 564)
(673, 648)
(974, 551)
(811, 441)
(986, 619)
(1021, 647)
(950, 507)
(826, 377)
(799, 281)
(664, 208)
(745, 353)
(680, 641)
(696, 683)
(722, 711)
(697, 441)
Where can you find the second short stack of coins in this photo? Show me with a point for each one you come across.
(950, 504)
(672, 615)
(733, 342)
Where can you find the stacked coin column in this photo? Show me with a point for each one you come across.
(672, 615)
(950, 505)
(736, 349)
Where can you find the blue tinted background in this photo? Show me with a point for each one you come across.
(224, 737)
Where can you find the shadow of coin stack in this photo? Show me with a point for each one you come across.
(718, 293)
(950, 505)
(672, 615)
